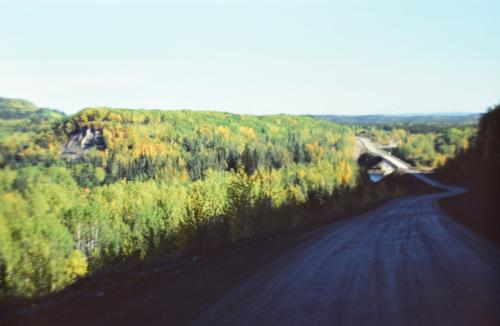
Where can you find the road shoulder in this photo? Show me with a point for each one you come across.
(475, 213)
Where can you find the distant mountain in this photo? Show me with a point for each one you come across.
(444, 118)
(24, 109)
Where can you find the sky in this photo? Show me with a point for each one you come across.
(258, 57)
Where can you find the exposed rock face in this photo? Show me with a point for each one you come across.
(80, 142)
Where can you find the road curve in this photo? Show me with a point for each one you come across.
(406, 263)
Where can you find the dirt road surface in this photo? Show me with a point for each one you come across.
(406, 263)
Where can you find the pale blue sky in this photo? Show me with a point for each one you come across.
(324, 57)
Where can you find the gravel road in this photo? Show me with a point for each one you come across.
(406, 263)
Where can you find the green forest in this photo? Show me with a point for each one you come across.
(105, 186)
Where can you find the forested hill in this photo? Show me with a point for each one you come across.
(158, 183)
(153, 142)
(11, 109)
(468, 118)
(142, 144)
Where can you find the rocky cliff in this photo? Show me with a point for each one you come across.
(80, 142)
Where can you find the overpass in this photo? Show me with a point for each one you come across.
(390, 159)
(403, 167)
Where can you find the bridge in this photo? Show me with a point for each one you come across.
(389, 159)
